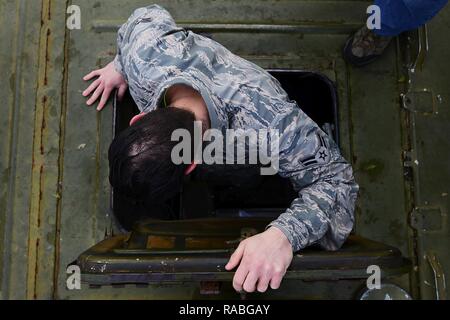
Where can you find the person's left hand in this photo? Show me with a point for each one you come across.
(263, 260)
(107, 80)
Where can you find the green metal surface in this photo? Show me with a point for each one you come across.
(54, 191)
(428, 129)
(198, 250)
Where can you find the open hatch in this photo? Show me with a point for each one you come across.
(218, 208)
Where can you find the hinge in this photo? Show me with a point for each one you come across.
(419, 101)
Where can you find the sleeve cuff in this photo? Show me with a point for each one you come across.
(298, 240)
(296, 245)
(118, 65)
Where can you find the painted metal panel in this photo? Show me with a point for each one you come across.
(54, 191)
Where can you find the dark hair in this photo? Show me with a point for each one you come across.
(140, 164)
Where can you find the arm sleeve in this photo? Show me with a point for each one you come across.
(154, 19)
(323, 213)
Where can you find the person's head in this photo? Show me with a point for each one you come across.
(140, 161)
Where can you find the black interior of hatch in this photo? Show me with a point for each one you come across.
(233, 191)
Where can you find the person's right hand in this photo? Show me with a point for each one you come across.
(107, 80)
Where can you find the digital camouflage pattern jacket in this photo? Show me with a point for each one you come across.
(154, 53)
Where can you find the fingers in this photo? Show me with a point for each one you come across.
(91, 75)
(236, 257)
(263, 283)
(121, 92)
(276, 279)
(104, 98)
(96, 94)
(91, 88)
(239, 278)
(250, 282)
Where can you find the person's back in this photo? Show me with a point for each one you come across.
(156, 54)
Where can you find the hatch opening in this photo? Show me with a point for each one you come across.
(234, 191)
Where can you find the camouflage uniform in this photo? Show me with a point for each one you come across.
(153, 54)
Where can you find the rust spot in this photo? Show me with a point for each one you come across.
(155, 242)
(42, 16)
(206, 243)
(43, 22)
(47, 59)
(43, 126)
(41, 171)
(36, 269)
(44, 123)
(49, 12)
